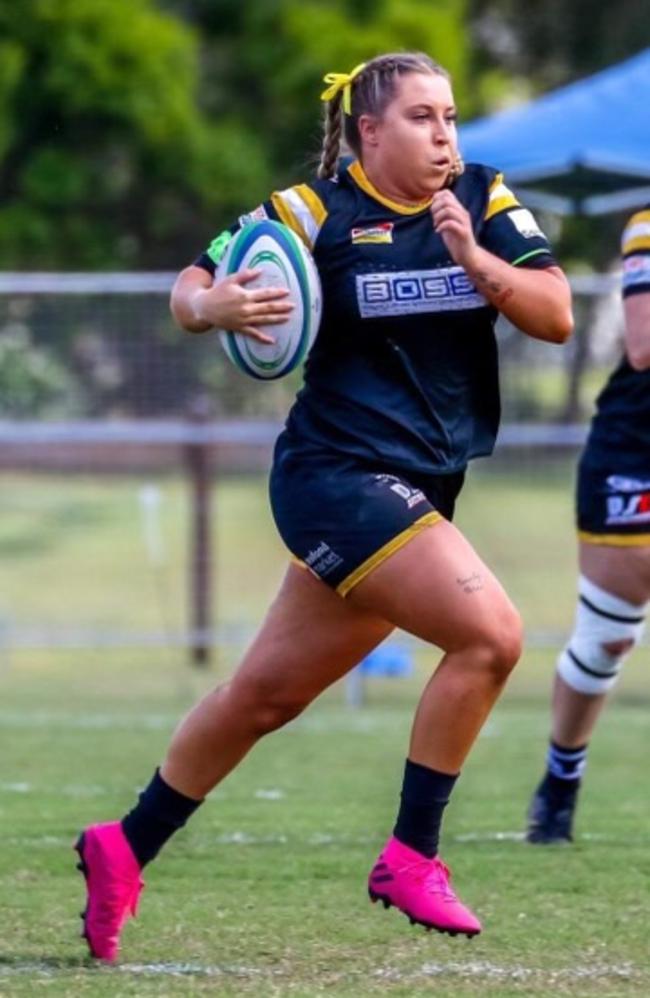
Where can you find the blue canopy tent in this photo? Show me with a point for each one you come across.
(581, 149)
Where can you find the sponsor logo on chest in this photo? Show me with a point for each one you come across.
(409, 292)
(381, 233)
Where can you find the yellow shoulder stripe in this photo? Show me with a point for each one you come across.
(313, 202)
(286, 215)
(500, 197)
(636, 235)
(640, 216)
(302, 210)
(640, 243)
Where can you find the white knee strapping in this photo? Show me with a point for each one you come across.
(601, 619)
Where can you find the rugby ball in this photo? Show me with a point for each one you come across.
(283, 261)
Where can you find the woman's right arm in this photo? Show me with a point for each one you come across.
(635, 249)
(198, 304)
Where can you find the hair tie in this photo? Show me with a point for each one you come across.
(341, 82)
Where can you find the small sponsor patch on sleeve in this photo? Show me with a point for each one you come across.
(636, 271)
(524, 222)
(217, 247)
(258, 214)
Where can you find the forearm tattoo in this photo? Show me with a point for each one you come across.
(471, 583)
(496, 288)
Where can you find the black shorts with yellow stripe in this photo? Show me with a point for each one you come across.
(341, 518)
(613, 502)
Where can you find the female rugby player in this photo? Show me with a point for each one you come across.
(417, 255)
(613, 514)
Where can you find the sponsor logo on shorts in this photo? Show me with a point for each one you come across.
(623, 483)
(382, 233)
(631, 502)
(410, 495)
(323, 560)
(409, 292)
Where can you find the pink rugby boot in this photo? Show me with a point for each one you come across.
(420, 888)
(113, 885)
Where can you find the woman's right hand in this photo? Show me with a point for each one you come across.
(198, 303)
(229, 304)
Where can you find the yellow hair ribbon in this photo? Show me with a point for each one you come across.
(341, 81)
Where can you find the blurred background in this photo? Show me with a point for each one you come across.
(133, 457)
(137, 551)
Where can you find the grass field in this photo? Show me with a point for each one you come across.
(264, 893)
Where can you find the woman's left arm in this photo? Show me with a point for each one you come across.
(536, 301)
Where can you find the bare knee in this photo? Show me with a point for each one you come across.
(499, 645)
(264, 705)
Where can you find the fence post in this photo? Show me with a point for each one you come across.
(197, 457)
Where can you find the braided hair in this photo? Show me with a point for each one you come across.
(372, 91)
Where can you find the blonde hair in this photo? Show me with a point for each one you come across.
(373, 89)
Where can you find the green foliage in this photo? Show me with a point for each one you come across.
(132, 130)
(33, 383)
(274, 88)
(335, 36)
(108, 159)
(554, 42)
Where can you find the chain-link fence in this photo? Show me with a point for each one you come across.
(108, 411)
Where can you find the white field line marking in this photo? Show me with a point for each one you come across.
(489, 837)
(71, 790)
(483, 970)
(492, 971)
(320, 839)
(362, 721)
(198, 970)
(468, 837)
(64, 719)
(38, 841)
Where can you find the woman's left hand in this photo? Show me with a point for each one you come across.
(454, 224)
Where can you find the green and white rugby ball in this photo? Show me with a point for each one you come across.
(283, 261)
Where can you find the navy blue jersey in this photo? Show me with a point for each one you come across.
(404, 367)
(622, 421)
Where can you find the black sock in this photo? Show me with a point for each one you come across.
(425, 794)
(159, 813)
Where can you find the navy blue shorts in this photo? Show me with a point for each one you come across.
(613, 505)
(341, 518)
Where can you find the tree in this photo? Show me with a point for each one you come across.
(105, 157)
(264, 61)
(554, 42)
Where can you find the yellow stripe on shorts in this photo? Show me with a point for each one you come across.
(384, 552)
(615, 540)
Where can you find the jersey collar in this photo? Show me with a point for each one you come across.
(357, 173)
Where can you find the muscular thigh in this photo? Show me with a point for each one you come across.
(310, 637)
(438, 588)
